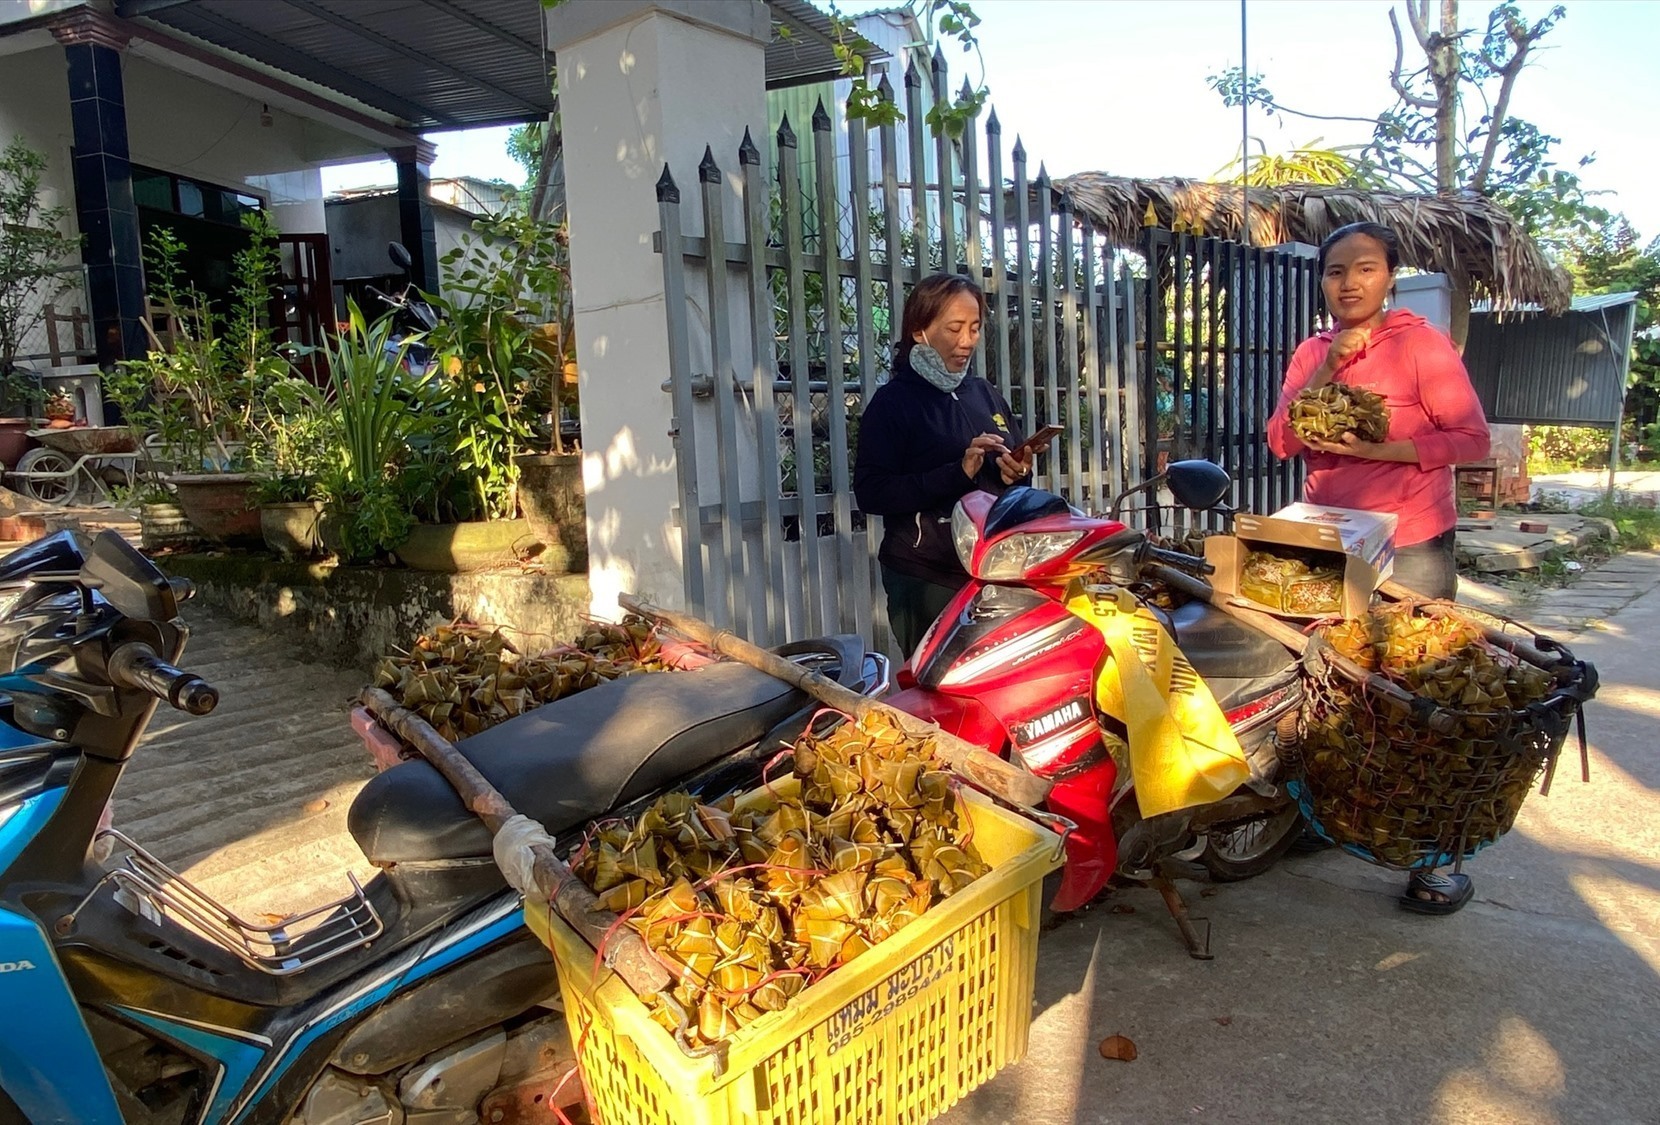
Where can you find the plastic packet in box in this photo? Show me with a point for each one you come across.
(1360, 544)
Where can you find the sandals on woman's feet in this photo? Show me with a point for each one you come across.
(1430, 893)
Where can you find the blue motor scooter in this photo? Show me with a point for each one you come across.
(130, 996)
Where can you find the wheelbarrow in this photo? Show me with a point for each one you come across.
(81, 458)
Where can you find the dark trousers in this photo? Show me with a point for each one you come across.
(913, 604)
(1429, 568)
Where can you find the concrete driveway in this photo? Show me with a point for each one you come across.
(1539, 1002)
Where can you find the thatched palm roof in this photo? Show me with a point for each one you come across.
(1467, 237)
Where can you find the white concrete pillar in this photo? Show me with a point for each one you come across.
(641, 83)
(1427, 294)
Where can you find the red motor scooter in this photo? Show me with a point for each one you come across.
(1007, 666)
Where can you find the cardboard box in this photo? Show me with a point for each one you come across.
(1365, 540)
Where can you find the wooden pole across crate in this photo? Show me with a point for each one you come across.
(978, 765)
(623, 949)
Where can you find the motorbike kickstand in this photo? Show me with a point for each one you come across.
(1197, 948)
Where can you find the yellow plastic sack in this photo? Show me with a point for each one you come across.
(1182, 750)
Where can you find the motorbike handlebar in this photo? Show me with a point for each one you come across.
(1190, 563)
(136, 665)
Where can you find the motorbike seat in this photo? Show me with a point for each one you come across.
(571, 760)
(1237, 662)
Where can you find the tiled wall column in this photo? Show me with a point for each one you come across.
(104, 208)
(415, 212)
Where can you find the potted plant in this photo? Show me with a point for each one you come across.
(162, 523)
(59, 410)
(500, 347)
(199, 391)
(373, 412)
(289, 450)
(34, 254)
(21, 398)
(290, 514)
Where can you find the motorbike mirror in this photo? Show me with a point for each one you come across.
(1200, 485)
(128, 581)
(399, 255)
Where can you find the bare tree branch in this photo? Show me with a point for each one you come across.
(1278, 108)
(1395, 79)
(1523, 39)
(1418, 12)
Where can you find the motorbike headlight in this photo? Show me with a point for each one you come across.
(963, 536)
(1011, 558)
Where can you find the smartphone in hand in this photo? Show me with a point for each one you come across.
(1044, 435)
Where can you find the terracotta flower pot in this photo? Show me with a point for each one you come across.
(453, 548)
(221, 506)
(14, 440)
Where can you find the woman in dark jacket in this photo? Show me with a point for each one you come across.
(930, 435)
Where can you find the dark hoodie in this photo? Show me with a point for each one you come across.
(909, 466)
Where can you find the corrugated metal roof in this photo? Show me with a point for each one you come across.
(1566, 370)
(805, 51)
(1588, 302)
(429, 63)
(439, 64)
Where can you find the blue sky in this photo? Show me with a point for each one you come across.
(1119, 86)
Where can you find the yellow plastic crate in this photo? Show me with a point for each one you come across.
(898, 1035)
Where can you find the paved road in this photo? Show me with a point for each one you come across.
(1538, 1003)
(250, 802)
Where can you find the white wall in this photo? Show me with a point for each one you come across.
(181, 124)
(34, 105)
(176, 123)
(15, 11)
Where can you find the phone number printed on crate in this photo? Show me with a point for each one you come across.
(880, 1002)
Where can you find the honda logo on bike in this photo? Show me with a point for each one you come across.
(15, 966)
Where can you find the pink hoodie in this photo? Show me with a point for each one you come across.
(1419, 373)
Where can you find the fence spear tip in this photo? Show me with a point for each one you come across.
(939, 58)
(821, 118)
(1019, 149)
(992, 124)
(667, 192)
(786, 135)
(884, 88)
(912, 78)
(707, 170)
(747, 152)
(1043, 175)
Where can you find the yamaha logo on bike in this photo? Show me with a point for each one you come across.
(15, 966)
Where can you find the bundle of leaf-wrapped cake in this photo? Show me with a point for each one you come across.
(750, 900)
(1304, 583)
(463, 678)
(1327, 413)
(1391, 785)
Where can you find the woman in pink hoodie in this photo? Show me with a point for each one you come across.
(1435, 421)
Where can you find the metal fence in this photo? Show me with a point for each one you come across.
(58, 329)
(1223, 320)
(780, 330)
